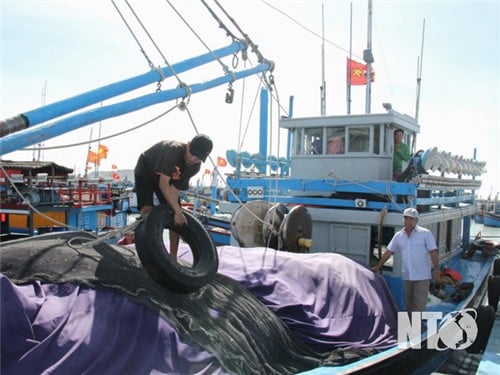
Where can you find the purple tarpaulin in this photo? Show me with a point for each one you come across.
(324, 298)
(73, 329)
(327, 301)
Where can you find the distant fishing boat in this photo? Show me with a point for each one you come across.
(479, 217)
(40, 197)
(491, 219)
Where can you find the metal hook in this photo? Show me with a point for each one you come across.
(230, 94)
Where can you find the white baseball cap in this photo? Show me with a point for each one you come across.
(411, 212)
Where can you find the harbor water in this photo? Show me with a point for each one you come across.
(488, 233)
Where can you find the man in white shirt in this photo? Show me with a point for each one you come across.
(415, 244)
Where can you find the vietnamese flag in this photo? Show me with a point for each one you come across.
(116, 176)
(93, 157)
(207, 171)
(102, 152)
(221, 162)
(356, 73)
(113, 166)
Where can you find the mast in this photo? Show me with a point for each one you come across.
(44, 95)
(323, 83)
(419, 73)
(349, 65)
(368, 58)
(85, 174)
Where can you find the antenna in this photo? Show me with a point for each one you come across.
(323, 83)
(419, 73)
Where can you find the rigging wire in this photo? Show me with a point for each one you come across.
(160, 71)
(150, 63)
(226, 70)
(254, 47)
(108, 136)
(308, 29)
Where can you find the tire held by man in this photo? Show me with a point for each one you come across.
(176, 276)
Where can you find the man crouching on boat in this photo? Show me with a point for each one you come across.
(414, 243)
(165, 169)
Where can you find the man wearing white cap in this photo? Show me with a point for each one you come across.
(415, 244)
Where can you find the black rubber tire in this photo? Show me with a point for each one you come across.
(496, 267)
(493, 291)
(485, 319)
(157, 261)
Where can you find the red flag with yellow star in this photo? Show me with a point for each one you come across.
(356, 73)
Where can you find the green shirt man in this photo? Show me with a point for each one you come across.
(401, 153)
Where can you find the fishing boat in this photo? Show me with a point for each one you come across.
(75, 303)
(491, 219)
(490, 208)
(40, 197)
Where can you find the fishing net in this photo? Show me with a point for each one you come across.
(222, 317)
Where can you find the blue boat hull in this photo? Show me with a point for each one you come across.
(491, 219)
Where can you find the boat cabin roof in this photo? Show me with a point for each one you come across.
(32, 168)
(398, 120)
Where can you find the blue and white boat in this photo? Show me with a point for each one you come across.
(491, 219)
(73, 303)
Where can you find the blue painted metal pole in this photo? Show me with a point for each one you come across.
(213, 205)
(466, 232)
(38, 134)
(264, 114)
(51, 111)
(289, 140)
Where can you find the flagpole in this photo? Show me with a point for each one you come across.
(98, 160)
(349, 67)
(44, 94)
(88, 153)
(323, 87)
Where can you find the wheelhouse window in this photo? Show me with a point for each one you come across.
(335, 141)
(313, 141)
(359, 139)
(339, 140)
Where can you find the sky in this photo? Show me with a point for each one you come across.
(55, 49)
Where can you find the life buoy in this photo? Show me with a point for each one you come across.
(485, 319)
(173, 275)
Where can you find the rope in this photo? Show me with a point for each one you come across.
(225, 68)
(106, 137)
(150, 63)
(154, 44)
(115, 233)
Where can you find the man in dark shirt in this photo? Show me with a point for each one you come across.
(165, 169)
